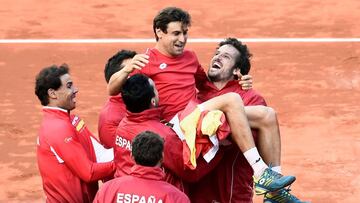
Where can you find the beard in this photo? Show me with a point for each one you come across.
(222, 76)
(213, 78)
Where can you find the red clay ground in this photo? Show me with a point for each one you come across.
(313, 86)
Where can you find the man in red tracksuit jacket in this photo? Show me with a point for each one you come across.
(65, 164)
(140, 97)
(114, 109)
(145, 181)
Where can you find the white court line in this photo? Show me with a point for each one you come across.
(150, 40)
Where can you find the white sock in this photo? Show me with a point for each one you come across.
(276, 169)
(253, 157)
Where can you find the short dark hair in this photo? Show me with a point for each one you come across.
(243, 61)
(168, 15)
(147, 148)
(113, 64)
(49, 78)
(137, 93)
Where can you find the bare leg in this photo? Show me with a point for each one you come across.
(269, 143)
(233, 107)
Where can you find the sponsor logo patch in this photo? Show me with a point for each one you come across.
(80, 125)
(68, 139)
(163, 66)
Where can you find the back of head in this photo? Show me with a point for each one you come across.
(114, 64)
(243, 61)
(49, 78)
(168, 15)
(137, 93)
(147, 149)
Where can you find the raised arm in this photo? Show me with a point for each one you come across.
(118, 79)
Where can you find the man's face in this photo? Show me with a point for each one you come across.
(173, 42)
(222, 64)
(66, 94)
(156, 97)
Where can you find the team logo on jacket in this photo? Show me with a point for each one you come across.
(163, 66)
(78, 123)
(67, 139)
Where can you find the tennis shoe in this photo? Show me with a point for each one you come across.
(271, 181)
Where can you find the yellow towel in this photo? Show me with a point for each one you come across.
(211, 122)
(209, 125)
(188, 126)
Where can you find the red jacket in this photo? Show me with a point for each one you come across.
(144, 184)
(110, 116)
(64, 165)
(177, 174)
(234, 181)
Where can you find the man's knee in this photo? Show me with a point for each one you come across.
(232, 99)
(270, 116)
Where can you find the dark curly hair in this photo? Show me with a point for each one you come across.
(137, 93)
(49, 78)
(147, 148)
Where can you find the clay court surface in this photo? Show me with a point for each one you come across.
(315, 87)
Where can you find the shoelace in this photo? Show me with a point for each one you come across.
(277, 175)
(287, 193)
(273, 174)
(291, 196)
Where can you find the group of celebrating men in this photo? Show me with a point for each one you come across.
(173, 132)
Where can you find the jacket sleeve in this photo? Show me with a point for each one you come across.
(107, 133)
(173, 160)
(105, 130)
(75, 157)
